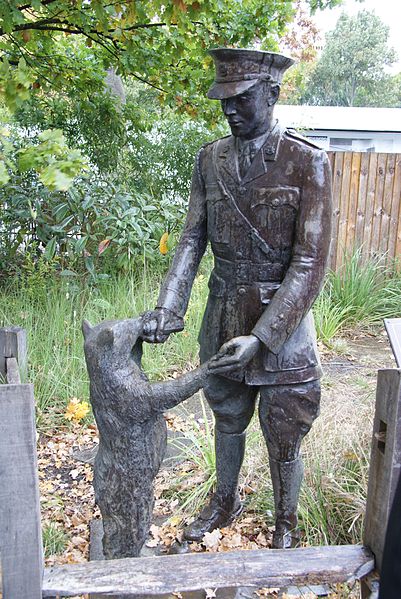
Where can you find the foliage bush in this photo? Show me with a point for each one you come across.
(95, 224)
(110, 219)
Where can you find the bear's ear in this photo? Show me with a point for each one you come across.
(86, 328)
(105, 337)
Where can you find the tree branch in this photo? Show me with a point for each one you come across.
(160, 89)
(38, 25)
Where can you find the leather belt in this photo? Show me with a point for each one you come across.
(244, 272)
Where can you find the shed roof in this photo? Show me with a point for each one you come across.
(340, 118)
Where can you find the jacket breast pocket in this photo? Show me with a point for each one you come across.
(275, 210)
(219, 226)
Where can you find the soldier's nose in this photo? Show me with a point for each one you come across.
(229, 106)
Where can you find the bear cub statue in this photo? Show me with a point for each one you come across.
(132, 430)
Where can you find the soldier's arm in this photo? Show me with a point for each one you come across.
(176, 288)
(304, 277)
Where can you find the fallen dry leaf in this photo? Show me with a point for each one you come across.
(211, 540)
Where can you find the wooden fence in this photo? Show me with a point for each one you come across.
(21, 562)
(21, 554)
(367, 204)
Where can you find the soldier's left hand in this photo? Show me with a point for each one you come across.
(234, 355)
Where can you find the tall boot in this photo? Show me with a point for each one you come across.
(287, 478)
(225, 503)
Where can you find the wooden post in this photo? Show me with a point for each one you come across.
(13, 345)
(21, 552)
(385, 460)
(393, 328)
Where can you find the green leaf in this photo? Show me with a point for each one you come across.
(90, 266)
(4, 176)
(80, 244)
(50, 249)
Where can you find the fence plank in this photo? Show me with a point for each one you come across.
(344, 202)
(13, 345)
(361, 205)
(395, 243)
(386, 208)
(395, 227)
(353, 199)
(370, 203)
(20, 533)
(385, 459)
(12, 372)
(172, 573)
(378, 204)
(337, 168)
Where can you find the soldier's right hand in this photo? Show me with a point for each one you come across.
(158, 325)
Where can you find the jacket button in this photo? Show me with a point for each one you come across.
(275, 202)
(241, 290)
(274, 326)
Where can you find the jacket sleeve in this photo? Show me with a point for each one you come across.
(176, 288)
(304, 277)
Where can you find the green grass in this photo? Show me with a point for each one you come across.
(360, 295)
(52, 315)
(54, 539)
(200, 452)
(329, 317)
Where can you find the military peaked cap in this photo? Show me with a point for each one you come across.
(238, 69)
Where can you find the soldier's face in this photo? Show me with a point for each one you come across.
(249, 114)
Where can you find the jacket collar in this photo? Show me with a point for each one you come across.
(228, 159)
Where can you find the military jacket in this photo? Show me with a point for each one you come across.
(270, 235)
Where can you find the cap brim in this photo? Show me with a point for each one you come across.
(222, 91)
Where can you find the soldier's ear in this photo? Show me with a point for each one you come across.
(86, 328)
(273, 94)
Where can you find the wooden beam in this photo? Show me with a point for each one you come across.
(20, 532)
(385, 460)
(12, 372)
(178, 573)
(393, 328)
(13, 345)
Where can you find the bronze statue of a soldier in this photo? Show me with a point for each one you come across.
(262, 197)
